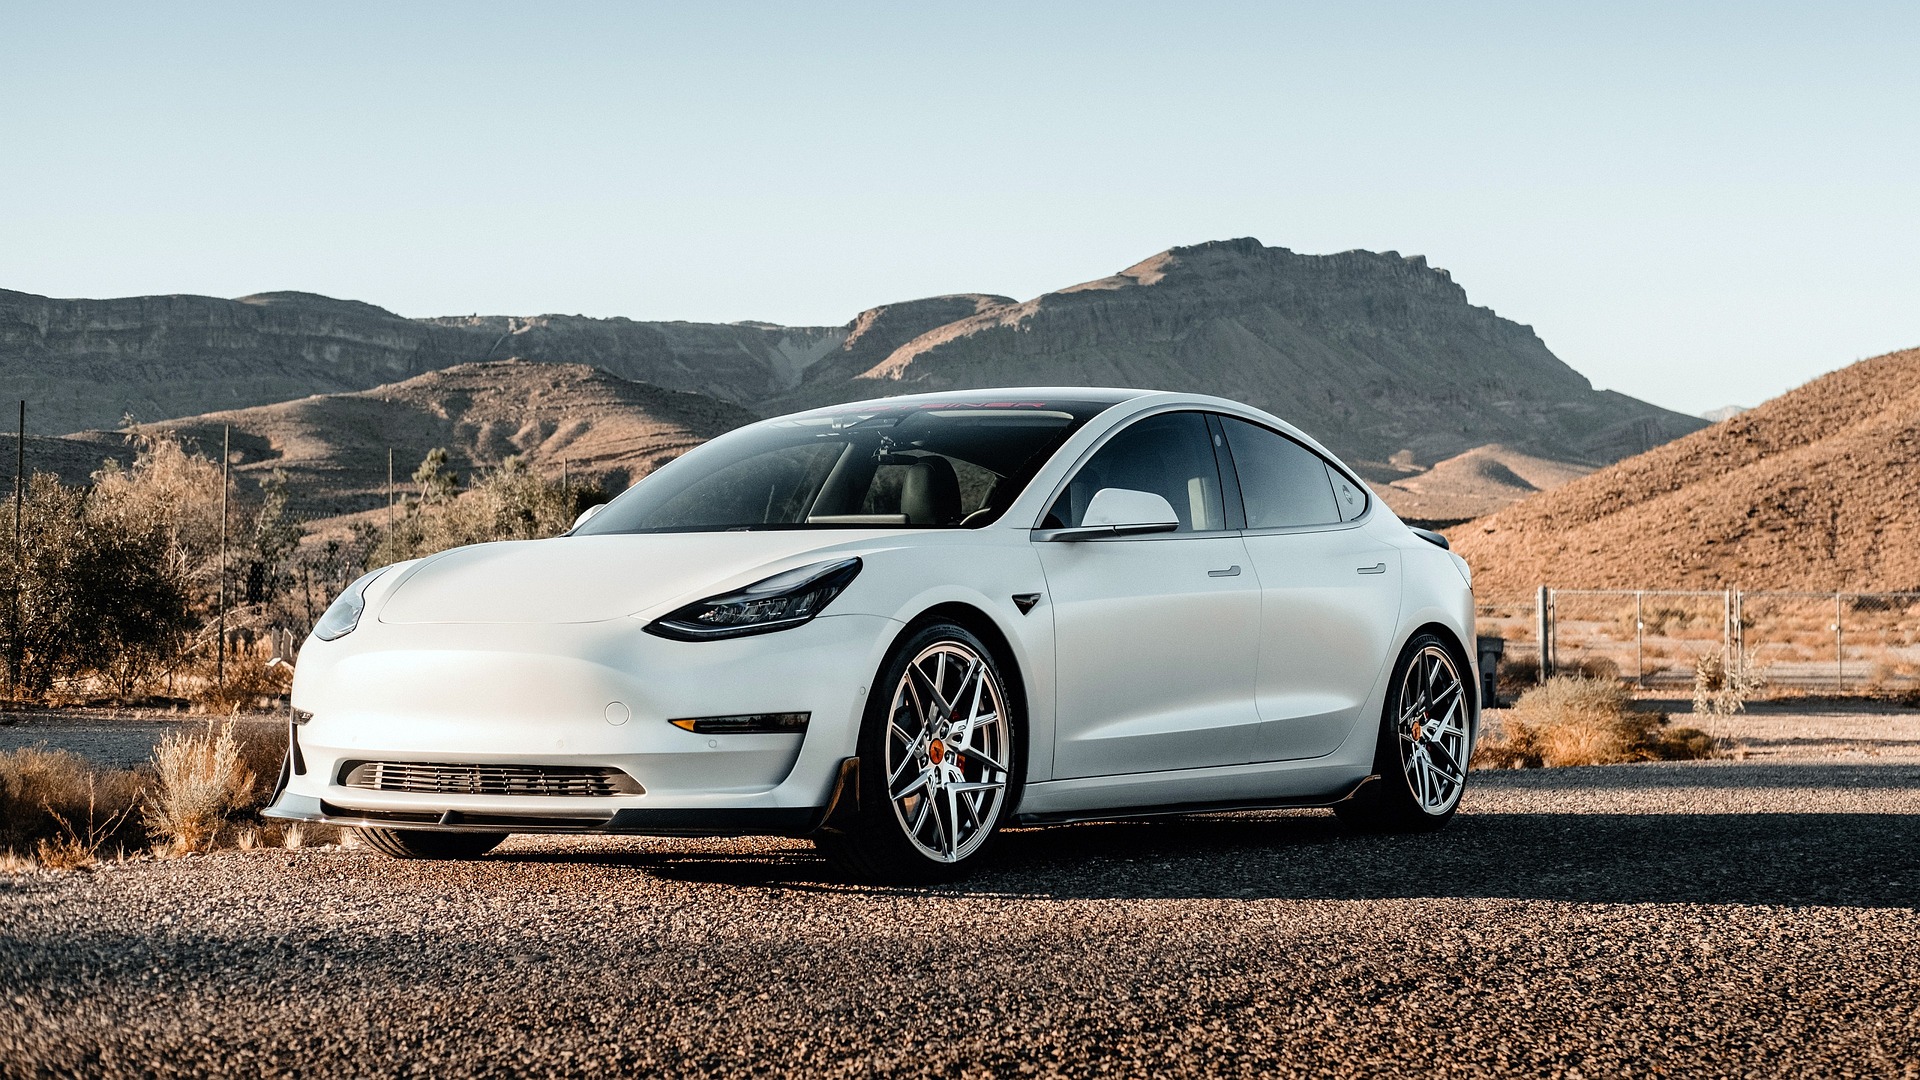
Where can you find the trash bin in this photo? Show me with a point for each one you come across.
(1491, 649)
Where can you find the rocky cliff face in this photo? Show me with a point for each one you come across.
(85, 363)
(1373, 353)
(1376, 354)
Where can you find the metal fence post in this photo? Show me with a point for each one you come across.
(1839, 647)
(1738, 628)
(1727, 629)
(1639, 640)
(1543, 610)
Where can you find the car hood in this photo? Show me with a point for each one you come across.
(576, 579)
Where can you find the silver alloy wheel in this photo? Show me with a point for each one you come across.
(1433, 730)
(947, 741)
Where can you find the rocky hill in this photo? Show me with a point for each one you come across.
(1474, 484)
(86, 363)
(1380, 356)
(1373, 353)
(1814, 490)
(333, 447)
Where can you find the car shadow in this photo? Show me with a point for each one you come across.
(1783, 858)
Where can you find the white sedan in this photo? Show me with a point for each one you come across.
(897, 626)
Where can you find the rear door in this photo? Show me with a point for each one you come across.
(1330, 593)
(1156, 636)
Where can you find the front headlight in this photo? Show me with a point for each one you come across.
(780, 602)
(344, 613)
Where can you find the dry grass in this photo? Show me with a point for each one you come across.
(252, 681)
(203, 780)
(204, 791)
(1572, 720)
(55, 806)
(80, 840)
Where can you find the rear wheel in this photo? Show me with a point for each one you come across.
(422, 844)
(1421, 755)
(937, 760)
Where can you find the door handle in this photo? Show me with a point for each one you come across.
(1231, 571)
(1376, 568)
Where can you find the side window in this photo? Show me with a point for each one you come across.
(1281, 482)
(1170, 455)
(1351, 499)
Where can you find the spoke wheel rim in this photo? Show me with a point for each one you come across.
(1431, 730)
(947, 744)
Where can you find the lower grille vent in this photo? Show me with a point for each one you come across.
(488, 779)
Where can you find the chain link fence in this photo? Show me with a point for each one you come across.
(1836, 643)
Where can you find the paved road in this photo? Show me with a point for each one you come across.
(1733, 919)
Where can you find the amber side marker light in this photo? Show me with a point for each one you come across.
(776, 723)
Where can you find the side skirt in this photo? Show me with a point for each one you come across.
(1283, 802)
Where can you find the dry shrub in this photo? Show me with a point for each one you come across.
(252, 680)
(511, 502)
(1515, 675)
(263, 747)
(1719, 691)
(1572, 720)
(80, 840)
(1519, 675)
(1592, 667)
(203, 779)
(53, 802)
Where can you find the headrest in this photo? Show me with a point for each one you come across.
(930, 494)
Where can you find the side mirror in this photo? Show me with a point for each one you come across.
(1121, 512)
(586, 515)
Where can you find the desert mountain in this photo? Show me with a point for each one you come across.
(1373, 353)
(85, 363)
(1474, 484)
(1812, 490)
(333, 447)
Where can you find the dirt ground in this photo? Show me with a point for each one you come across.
(1756, 917)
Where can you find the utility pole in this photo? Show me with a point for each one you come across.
(226, 460)
(17, 651)
(389, 504)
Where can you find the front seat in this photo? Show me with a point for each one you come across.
(930, 494)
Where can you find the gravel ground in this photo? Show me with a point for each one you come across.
(1756, 918)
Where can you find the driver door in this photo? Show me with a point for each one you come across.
(1156, 636)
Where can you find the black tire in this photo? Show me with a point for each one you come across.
(1409, 797)
(873, 839)
(423, 844)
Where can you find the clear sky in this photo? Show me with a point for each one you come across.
(1695, 204)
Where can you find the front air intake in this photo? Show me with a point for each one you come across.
(434, 778)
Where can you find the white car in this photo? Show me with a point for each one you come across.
(896, 627)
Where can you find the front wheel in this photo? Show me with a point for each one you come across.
(1421, 755)
(425, 844)
(937, 762)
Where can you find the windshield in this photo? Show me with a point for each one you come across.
(924, 464)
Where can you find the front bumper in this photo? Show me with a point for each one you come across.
(598, 694)
(629, 821)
